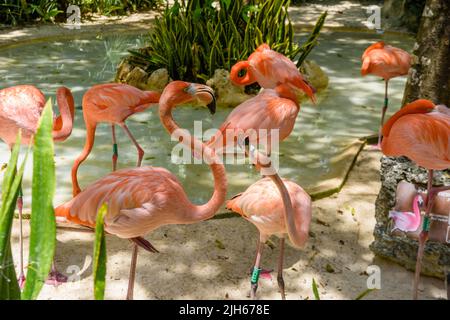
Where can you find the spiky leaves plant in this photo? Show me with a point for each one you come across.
(42, 224)
(9, 288)
(192, 40)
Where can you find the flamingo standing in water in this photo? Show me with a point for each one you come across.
(420, 131)
(20, 109)
(386, 62)
(112, 103)
(141, 200)
(269, 69)
(276, 207)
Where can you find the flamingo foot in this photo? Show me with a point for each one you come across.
(55, 278)
(21, 280)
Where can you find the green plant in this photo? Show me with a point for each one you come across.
(9, 288)
(18, 11)
(43, 227)
(99, 267)
(42, 223)
(13, 12)
(192, 40)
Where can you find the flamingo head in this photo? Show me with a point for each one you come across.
(241, 74)
(181, 92)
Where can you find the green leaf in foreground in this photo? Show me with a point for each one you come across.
(315, 290)
(42, 224)
(100, 255)
(364, 293)
(9, 288)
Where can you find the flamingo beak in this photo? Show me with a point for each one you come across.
(209, 99)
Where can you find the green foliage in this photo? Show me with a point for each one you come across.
(18, 11)
(192, 40)
(9, 288)
(315, 290)
(99, 267)
(13, 12)
(42, 224)
(113, 7)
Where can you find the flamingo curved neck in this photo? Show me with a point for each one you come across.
(416, 208)
(297, 237)
(64, 122)
(207, 210)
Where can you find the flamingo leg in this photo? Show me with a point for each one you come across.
(256, 270)
(21, 277)
(138, 147)
(132, 272)
(423, 237)
(383, 112)
(115, 155)
(280, 279)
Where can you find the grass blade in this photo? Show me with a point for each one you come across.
(315, 290)
(42, 224)
(99, 267)
(364, 293)
(9, 288)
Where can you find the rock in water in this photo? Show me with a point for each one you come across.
(228, 95)
(401, 249)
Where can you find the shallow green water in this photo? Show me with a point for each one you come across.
(347, 110)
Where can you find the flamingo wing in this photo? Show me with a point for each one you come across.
(139, 200)
(119, 95)
(261, 204)
(265, 111)
(22, 106)
(424, 138)
(272, 68)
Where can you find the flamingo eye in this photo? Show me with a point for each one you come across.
(242, 73)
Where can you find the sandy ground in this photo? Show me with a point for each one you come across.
(212, 259)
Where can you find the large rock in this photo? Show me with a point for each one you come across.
(401, 249)
(228, 94)
(315, 75)
(158, 80)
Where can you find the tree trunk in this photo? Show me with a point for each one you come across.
(429, 77)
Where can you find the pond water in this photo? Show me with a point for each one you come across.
(347, 110)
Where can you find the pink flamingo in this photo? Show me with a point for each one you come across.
(270, 68)
(20, 109)
(276, 207)
(386, 62)
(420, 131)
(409, 198)
(272, 109)
(112, 103)
(141, 200)
(407, 221)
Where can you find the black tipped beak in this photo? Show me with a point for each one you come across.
(212, 105)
